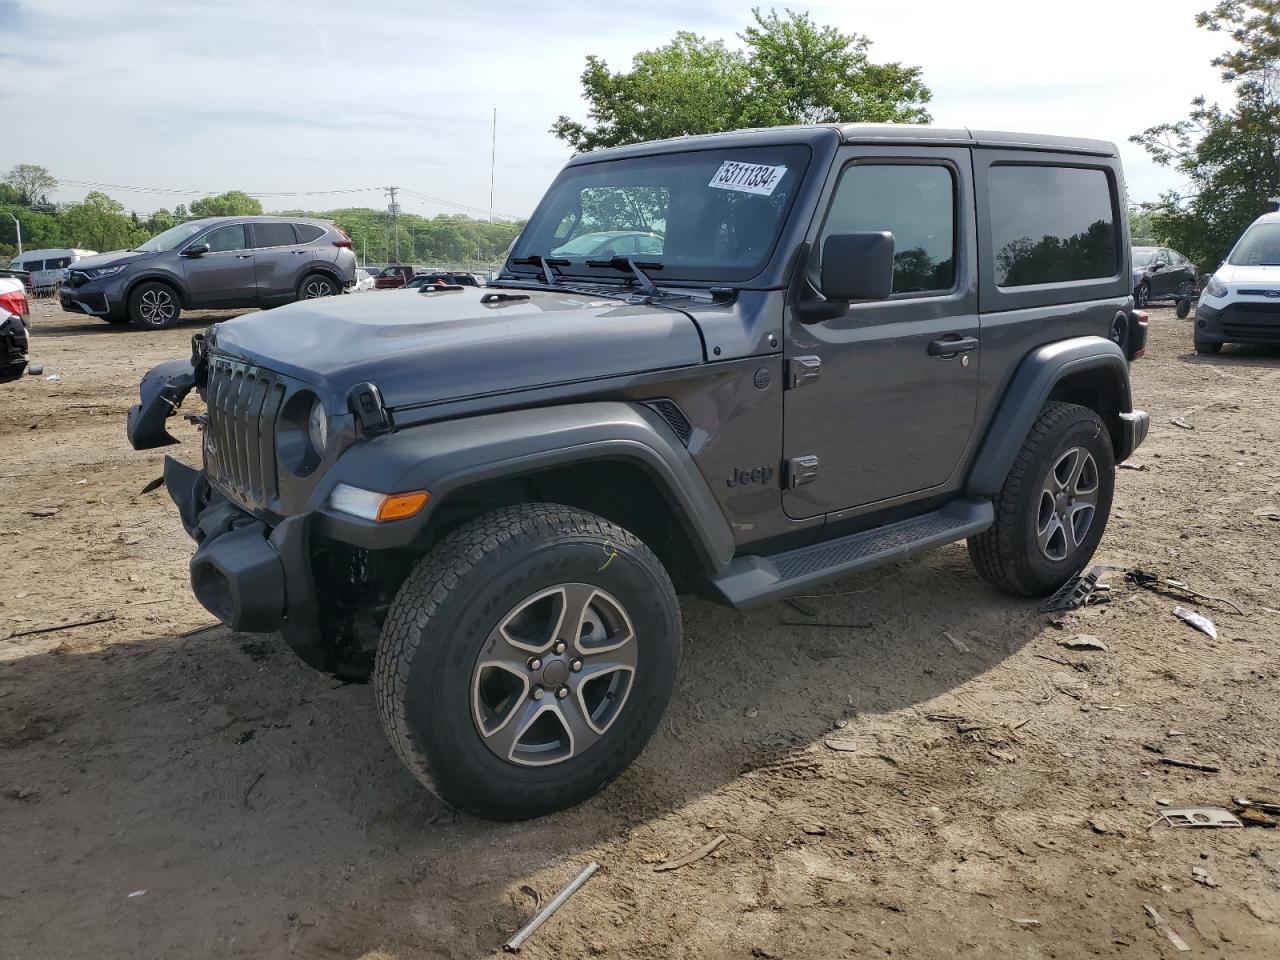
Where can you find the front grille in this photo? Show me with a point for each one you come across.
(240, 448)
(1252, 322)
(1271, 310)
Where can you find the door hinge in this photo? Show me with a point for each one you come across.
(801, 470)
(802, 370)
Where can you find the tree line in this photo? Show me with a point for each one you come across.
(102, 223)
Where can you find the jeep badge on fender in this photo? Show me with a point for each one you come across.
(478, 498)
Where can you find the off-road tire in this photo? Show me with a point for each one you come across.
(1207, 346)
(447, 607)
(161, 316)
(1007, 554)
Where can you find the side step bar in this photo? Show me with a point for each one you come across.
(750, 579)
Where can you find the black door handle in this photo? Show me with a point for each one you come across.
(952, 348)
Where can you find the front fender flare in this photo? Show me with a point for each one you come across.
(446, 458)
(1026, 394)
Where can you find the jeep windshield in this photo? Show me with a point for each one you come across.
(710, 216)
(1259, 247)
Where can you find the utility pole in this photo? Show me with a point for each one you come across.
(394, 209)
(493, 162)
(17, 223)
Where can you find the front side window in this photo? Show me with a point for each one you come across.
(1051, 224)
(230, 237)
(273, 235)
(1259, 247)
(706, 215)
(914, 202)
(1143, 256)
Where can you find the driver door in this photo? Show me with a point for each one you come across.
(223, 277)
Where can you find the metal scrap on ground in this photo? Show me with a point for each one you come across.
(524, 933)
(1199, 817)
(1197, 620)
(1164, 928)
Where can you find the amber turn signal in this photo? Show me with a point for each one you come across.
(399, 506)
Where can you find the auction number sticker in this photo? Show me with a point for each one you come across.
(748, 177)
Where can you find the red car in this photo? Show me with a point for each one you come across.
(393, 277)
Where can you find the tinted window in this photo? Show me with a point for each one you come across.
(34, 265)
(307, 232)
(1051, 225)
(273, 235)
(230, 237)
(914, 202)
(57, 264)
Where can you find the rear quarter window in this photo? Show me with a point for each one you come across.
(307, 232)
(1051, 224)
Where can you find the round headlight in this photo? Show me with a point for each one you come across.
(318, 428)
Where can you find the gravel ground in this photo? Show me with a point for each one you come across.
(170, 794)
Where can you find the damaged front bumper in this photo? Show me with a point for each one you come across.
(253, 577)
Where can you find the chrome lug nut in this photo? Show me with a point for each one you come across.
(575, 665)
(535, 663)
(560, 646)
(538, 693)
(562, 692)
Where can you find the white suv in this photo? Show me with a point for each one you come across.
(1241, 302)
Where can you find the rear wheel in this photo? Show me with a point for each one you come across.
(154, 306)
(1183, 308)
(315, 285)
(1054, 505)
(1142, 295)
(527, 659)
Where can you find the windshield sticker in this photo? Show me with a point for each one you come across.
(756, 178)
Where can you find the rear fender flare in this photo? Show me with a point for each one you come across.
(1031, 385)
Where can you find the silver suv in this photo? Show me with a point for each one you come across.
(212, 263)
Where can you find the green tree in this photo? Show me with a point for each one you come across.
(33, 182)
(791, 71)
(100, 223)
(233, 203)
(1229, 156)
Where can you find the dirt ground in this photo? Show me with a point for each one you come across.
(172, 795)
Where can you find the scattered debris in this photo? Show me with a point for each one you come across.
(1191, 765)
(1080, 590)
(43, 512)
(1025, 921)
(1021, 723)
(705, 850)
(1165, 929)
(53, 377)
(1265, 806)
(35, 369)
(245, 737)
(1152, 581)
(1199, 817)
(1197, 620)
(958, 644)
(1179, 422)
(751, 713)
(155, 484)
(1251, 817)
(1084, 641)
(524, 933)
(1004, 755)
(61, 626)
(814, 829)
(841, 746)
(1132, 466)
(136, 893)
(1267, 513)
(1201, 876)
(800, 606)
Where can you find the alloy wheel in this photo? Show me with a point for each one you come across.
(317, 287)
(554, 675)
(1068, 504)
(157, 306)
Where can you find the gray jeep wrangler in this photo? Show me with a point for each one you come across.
(808, 351)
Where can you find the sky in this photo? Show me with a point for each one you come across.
(276, 97)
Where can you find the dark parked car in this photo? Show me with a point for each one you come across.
(451, 279)
(849, 353)
(215, 262)
(1163, 274)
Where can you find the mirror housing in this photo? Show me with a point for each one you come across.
(857, 266)
(196, 250)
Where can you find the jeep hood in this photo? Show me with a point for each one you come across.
(426, 347)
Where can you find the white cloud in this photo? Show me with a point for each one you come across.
(327, 94)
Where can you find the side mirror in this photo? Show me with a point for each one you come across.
(196, 250)
(857, 266)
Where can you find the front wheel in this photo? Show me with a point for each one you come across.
(1053, 507)
(1206, 346)
(154, 306)
(527, 659)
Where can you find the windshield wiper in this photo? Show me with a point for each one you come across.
(546, 263)
(646, 284)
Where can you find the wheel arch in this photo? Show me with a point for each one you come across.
(1090, 371)
(156, 277)
(322, 268)
(619, 460)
